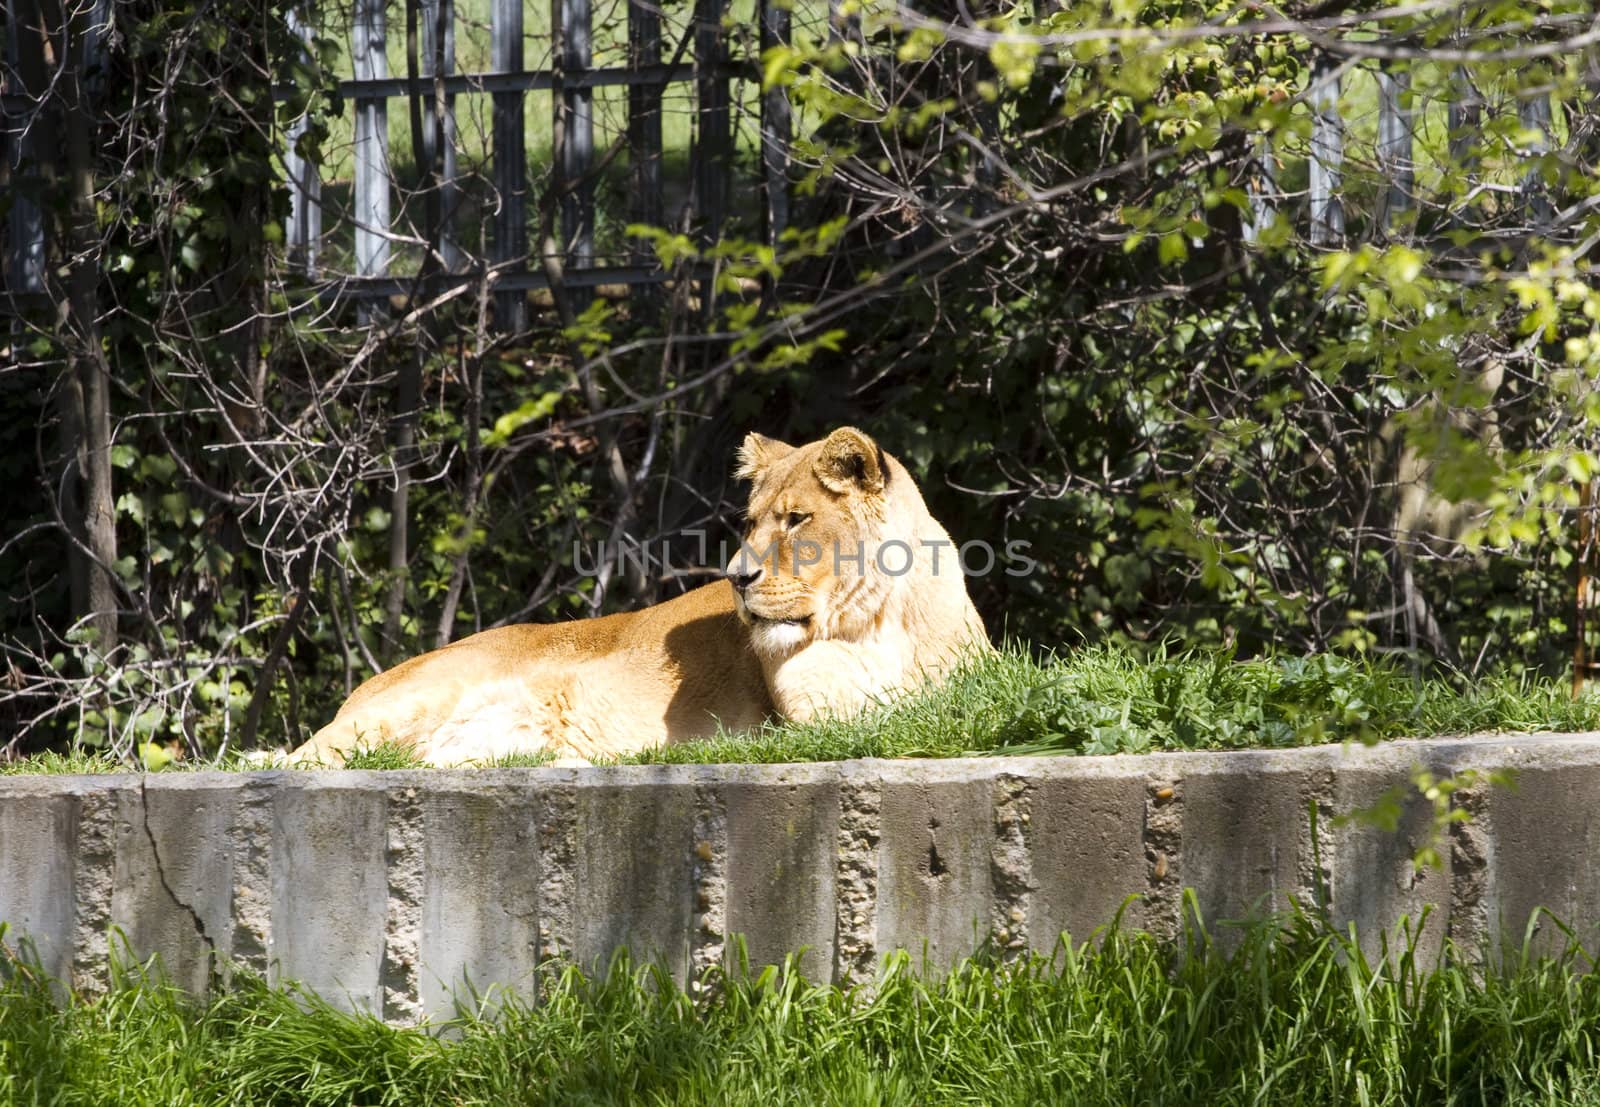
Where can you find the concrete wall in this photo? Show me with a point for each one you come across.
(387, 891)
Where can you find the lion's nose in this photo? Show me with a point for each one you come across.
(741, 579)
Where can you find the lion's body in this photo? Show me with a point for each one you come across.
(579, 689)
(784, 645)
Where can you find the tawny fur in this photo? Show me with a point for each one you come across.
(808, 637)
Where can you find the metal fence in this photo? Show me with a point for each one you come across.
(649, 68)
(699, 62)
(1394, 149)
(483, 212)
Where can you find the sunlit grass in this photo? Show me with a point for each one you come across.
(1298, 1015)
(1108, 700)
(1096, 700)
(386, 755)
(52, 763)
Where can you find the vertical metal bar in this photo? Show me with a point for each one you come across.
(1534, 114)
(1262, 188)
(1465, 119)
(24, 259)
(1466, 135)
(776, 127)
(510, 162)
(1584, 664)
(371, 141)
(711, 149)
(1327, 154)
(305, 185)
(644, 122)
(93, 43)
(440, 57)
(1396, 128)
(575, 133)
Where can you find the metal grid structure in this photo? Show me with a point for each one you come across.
(699, 62)
(1394, 151)
(571, 80)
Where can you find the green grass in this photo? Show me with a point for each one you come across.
(94, 762)
(1099, 699)
(380, 757)
(387, 755)
(52, 763)
(1107, 700)
(1292, 1016)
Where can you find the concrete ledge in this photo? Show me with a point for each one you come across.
(390, 892)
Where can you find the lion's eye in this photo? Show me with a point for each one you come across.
(795, 519)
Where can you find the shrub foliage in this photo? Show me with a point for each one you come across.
(1062, 263)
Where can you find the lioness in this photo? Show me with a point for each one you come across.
(845, 591)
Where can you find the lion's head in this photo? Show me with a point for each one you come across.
(839, 549)
(817, 518)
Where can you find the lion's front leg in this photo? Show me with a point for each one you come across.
(837, 678)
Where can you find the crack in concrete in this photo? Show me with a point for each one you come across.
(166, 885)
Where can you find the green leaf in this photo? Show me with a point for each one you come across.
(154, 757)
(527, 412)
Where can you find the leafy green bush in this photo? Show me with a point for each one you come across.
(1060, 263)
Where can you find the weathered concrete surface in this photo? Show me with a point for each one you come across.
(172, 890)
(330, 885)
(391, 892)
(633, 880)
(1088, 845)
(38, 868)
(782, 829)
(1245, 839)
(934, 845)
(1370, 876)
(1542, 857)
(480, 892)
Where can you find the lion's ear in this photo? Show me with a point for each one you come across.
(757, 453)
(850, 460)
